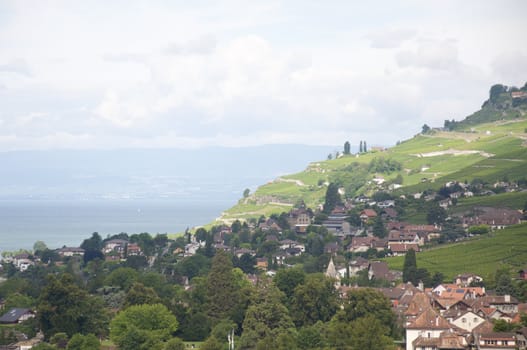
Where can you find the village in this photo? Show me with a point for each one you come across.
(347, 243)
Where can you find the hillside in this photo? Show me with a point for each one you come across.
(482, 255)
(489, 146)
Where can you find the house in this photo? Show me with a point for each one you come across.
(389, 214)
(261, 263)
(379, 270)
(357, 265)
(331, 248)
(466, 279)
(133, 249)
(503, 303)
(495, 341)
(361, 244)
(400, 249)
(16, 315)
(367, 214)
(270, 224)
(70, 251)
(445, 203)
(496, 218)
(279, 257)
(242, 251)
(386, 204)
(425, 331)
(467, 320)
(116, 245)
(412, 237)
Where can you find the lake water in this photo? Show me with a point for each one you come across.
(69, 222)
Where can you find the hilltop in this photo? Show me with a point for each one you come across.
(487, 146)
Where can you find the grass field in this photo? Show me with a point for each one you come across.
(482, 255)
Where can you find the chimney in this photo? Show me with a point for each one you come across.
(507, 298)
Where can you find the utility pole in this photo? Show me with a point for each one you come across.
(230, 338)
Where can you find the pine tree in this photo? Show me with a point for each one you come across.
(365, 149)
(222, 292)
(360, 147)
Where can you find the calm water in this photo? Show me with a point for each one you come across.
(69, 222)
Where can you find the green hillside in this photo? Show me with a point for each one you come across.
(482, 255)
(489, 145)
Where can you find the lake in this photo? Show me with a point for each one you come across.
(69, 222)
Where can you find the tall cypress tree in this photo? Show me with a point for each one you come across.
(410, 266)
(360, 147)
(347, 148)
(332, 198)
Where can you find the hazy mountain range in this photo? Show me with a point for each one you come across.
(149, 173)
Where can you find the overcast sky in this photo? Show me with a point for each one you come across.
(111, 74)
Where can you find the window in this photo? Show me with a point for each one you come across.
(464, 320)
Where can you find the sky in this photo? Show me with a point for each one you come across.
(189, 74)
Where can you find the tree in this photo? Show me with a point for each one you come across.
(436, 215)
(266, 317)
(222, 292)
(64, 307)
(364, 302)
(314, 300)
(212, 343)
(92, 248)
(332, 198)
(288, 279)
(361, 147)
(39, 246)
(495, 91)
(174, 344)
(122, 277)
(379, 230)
(425, 129)
(364, 147)
(83, 342)
(139, 294)
(478, 229)
(504, 284)
(409, 266)
(347, 148)
(369, 333)
(330, 156)
(142, 327)
(246, 193)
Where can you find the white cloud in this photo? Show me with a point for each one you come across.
(17, 66)
(390, 38)
(232, 73)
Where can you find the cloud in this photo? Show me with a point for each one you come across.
(202, 45)
(390, 38)
(430, 54)
(172, 74)
(17, 66)
(507, 67)
(125, 57)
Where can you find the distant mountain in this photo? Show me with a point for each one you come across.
(143, 173)
(489, 145)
